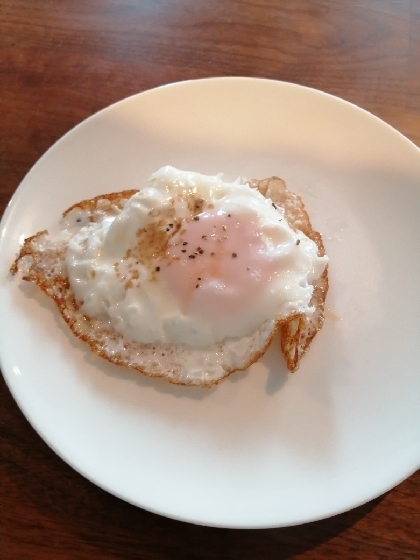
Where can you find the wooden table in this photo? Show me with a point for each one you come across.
(61, 61)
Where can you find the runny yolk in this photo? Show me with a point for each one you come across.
(216, 264)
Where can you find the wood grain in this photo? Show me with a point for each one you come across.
(61, 61)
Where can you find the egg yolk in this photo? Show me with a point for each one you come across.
(216, 264)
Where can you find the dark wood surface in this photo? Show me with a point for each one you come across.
(61, 61)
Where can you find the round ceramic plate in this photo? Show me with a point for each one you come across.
(264, 448)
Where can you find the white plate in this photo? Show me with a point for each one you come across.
(264, 448)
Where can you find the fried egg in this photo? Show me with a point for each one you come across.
(187, 279)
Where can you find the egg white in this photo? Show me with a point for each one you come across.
(116, 278)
